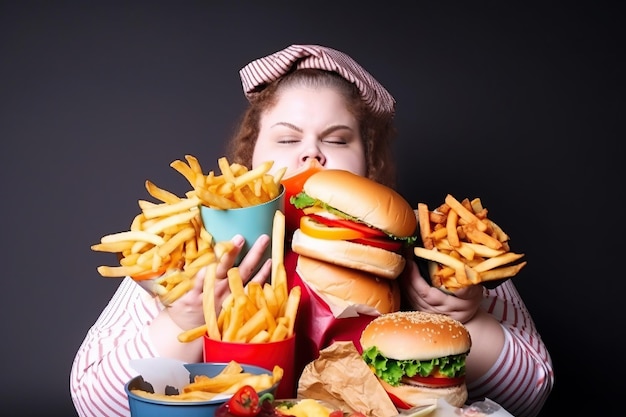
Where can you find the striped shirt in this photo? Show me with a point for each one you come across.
(520, 380)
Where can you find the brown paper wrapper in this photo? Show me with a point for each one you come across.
(316, 324)
(340, 377)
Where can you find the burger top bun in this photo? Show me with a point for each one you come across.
(365, 199)
(416, 335)
(349, 285)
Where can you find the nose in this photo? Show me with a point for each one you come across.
(313, 152)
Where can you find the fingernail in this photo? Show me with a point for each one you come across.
(238, 240)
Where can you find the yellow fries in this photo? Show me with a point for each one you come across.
(228, 381)
(251, 313)
(235, 187)
(463, 246)
(167, 238)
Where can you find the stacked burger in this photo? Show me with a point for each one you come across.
(354, 222)
(352, 238)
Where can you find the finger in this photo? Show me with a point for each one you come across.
(264, 273)
(199, 280)
(227, 261)
(251, 261)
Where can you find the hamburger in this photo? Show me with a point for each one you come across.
(418, 357)
(352, 221)
(343, 287)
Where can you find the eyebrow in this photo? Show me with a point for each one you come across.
(325, 132)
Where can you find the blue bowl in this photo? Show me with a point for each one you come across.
(146, 407)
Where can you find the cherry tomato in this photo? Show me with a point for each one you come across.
(245, 402)
(336, 413)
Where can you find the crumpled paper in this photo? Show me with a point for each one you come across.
(340, 377)
(485, 408)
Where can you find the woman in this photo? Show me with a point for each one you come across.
(312, 102)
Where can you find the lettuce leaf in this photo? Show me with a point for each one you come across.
(392, 371)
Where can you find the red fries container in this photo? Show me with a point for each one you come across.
(265, 355)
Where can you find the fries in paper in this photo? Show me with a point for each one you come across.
(228, 381)
(463, 246)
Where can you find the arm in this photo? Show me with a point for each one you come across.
(135, 324)
(101, 366)
(522, 377)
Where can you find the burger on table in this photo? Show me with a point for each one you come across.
(418, 357)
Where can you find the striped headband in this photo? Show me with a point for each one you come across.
(262, 71)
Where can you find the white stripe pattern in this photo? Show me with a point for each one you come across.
(262, 71)
(101, 366)
(521, 379)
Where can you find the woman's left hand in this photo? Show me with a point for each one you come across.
(461, 306)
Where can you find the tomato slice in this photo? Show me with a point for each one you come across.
(398, 402)
(244, 402)
(349, 224)
(311, 227)
(437, 382)
(387, 244)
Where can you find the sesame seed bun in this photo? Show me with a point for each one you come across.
(416, 335)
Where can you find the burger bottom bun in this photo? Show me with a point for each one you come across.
(377, 261)
(349, 286)
(416, 395)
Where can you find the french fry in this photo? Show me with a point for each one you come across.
(252, 326)
(424, 223)
(236, 319)
(463, 246)
(291, 309)
(160, 193)
(208, 303)
(278, 247)
(464, 213)
(166, 209)
(136, 236)
(192, 334)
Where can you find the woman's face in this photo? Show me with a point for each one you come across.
(310, 123)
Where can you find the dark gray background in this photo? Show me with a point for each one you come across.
(515, 104)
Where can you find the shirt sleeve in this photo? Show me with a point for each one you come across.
(522, 377)
(101, 365)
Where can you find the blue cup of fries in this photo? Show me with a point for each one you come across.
(198, 399)
(250, 222)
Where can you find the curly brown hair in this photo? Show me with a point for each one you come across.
(377, 131)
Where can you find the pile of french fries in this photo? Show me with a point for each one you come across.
(463, 245)
(228, 381)
(253, 313)
(167, 242)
